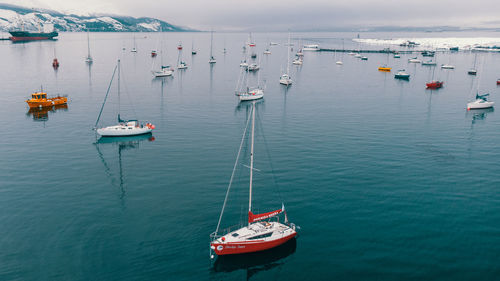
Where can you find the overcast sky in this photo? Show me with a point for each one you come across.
(284, 14)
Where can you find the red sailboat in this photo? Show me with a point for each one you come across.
(264, 231)
(434, 84)
(179, 46)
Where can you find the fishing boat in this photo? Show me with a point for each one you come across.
(124, 127)
(434, 84)
(88, 59)
(285, 78)
(311, 47)
(429, 63)
(414, 60)
(264, 231)
(447, 66)
(481, 102)
(384, 69)
(40, 99)
(212, 58)
(402, 75)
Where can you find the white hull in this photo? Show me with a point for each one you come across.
(414, 61)
(286, 82)
(339, 63)
(123, 131)
(297, 62)
(480, 104)
(163, 73)
(253, 95)
(310, 48)
(445, 66)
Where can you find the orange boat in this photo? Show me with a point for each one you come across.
(39, 99)
(384, 69)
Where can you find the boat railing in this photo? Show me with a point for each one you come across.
(216, 235)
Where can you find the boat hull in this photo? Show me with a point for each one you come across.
(123, 131)
(480, 105)
(47, 102)
(19, 36)
(249, 247)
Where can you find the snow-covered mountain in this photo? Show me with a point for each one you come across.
(13, 17)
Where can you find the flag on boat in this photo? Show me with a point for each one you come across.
(257, 217)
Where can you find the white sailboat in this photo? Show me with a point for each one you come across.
(212, 58)
(165, 70)
(88, 59)
(339, 62)
(481, 102)
(264, 231)
(243, 91)
(285, 78)
(473, 70)
(124, 127)
(180, 63)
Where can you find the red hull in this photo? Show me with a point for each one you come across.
(434, 85)
(249, 247)
(29, 38)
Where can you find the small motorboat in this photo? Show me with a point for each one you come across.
(402, 75)
(414, 60)
(182, 65)
(244, 63)
(481, 102)
(55, 63)
(447, 66)
(434, 84)
(339, 63)
(472, 71)
(134, 50)
(358, 55)
(384, 69)
(254, 94)
(212, 60)
(267, 52)
(40, 99)
(153, 53)
(429, 63)
(253, 56)
(193, 52)
(364, 58)
(397, 56)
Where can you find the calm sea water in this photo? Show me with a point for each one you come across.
(387, 180)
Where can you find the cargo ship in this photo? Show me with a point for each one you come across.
(48, 33)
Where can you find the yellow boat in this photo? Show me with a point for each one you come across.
(39, 99)
(384, 68)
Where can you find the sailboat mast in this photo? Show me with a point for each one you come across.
(88, 44)
(211, 42)
(251, 158)
(119, 88)
(288, 56)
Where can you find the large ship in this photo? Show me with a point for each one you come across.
(48, 34)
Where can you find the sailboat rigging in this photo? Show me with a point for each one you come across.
(212, 58)
(89, 57)
(165, 70)
(285, 78)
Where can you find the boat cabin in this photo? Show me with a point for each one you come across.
(39, 96)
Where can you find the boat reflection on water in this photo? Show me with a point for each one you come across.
(479, 114)
(253, 263)
(42, 113)
(123, 143)
(247, 106)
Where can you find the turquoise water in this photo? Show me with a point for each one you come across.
(387, 180)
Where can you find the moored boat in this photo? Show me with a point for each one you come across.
(481, 102)
(447, 66)
(414, 60)
(434, 84)
(429, 63)
(264, 231)
(311, 47)
(40, 99)
(402, 75)
(384, 69)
